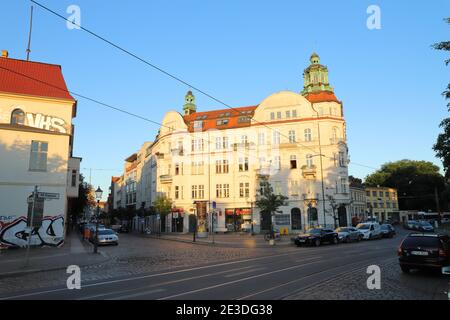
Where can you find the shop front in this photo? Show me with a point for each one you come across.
(237, 218)
(177, 219)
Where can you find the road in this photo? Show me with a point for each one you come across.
(280, 274)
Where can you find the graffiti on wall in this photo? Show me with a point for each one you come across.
(16, 233)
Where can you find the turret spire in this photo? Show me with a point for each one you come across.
(189, 104)
(316, 77)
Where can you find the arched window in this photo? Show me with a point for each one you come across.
(18, 117)
(296, 219)
(308, 135)
(309, 160)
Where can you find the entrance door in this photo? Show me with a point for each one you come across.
(296, 219)
(342, 216)
(265, 220)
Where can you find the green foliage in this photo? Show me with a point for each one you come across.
(415, 182)
(85, 199)
(268, 201)
(162, 205)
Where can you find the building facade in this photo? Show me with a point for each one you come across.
(382, 203)
(358, 206)
(36, 139)
(211, 163)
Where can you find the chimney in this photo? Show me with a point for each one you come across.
(5, 54)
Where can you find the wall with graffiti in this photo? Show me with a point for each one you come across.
(15, 233)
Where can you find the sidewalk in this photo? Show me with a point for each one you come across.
(235, 240)
(74, 252)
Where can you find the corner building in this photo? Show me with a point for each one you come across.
(211, 163)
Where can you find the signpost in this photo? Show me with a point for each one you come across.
(32, 200)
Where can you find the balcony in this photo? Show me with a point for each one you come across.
(165, 178)
(263, 172)
(309, 172)
(337, 140)
(177, 151)
(159, 155)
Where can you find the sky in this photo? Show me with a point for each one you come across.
(389, 79)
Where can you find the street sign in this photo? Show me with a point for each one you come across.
(48, 195)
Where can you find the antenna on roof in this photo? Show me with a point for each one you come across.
(29, 35)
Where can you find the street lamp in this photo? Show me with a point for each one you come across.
(98, 196)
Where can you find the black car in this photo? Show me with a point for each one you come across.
(424, 250)
(387, 230)
(317, 236)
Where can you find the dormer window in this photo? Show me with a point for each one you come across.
(18, 117)
(198, 124)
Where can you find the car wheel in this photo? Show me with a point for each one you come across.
(360, 238)
(317, 242)
(405, 269)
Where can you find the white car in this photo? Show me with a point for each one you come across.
(370, 230)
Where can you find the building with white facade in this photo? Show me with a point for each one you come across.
(211, 163)
(36, 139)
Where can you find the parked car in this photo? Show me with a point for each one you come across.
(387, 230)
(424, 250)
(411, 225)
(370, 230)
(316, 237)
(348, 234)
(425, 226)
(123, 229)
(106, 236)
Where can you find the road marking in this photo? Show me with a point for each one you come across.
(148, 276)
(235, 281)
(164, 283)
(243, 272)
(309, 259)
(138, 294)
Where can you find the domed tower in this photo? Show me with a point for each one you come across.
(189, 104)
(316, 77)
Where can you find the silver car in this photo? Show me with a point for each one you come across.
(107, 236)
(348, 234)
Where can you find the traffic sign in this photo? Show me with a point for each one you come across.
(48, 195)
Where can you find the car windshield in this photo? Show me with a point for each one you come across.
(105, 232)
(342, 230)
(385, 227)
(315, 231)
(424, 223)
(363, 226)
(417, 241)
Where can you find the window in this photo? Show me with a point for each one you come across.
(222, 166)
(386, 194)
(74, 178)
(222, 190)
(197, 168)
(288, 114)
(177, 169)
(375, 204)
(221, 143)
(261, 139)
(243, 164)
(244, 139)
(282, 219)
(244, 119)
(226, 166)
(374, 193)
(201, 191)
(277, 162)
(277, 187)
(198, 124)
(309, 160)
(293, 162)
(292, 136)
(194, 192)
(381, 194)
(244, 190)
(18, 117)
(279, 115)
(341, 159)
(38, 156)
(293, 186)
(272, 116)
(388, 205)
(177, 192)
(308, 135)
(197, 144)
(368, 193)
(343, 185)
(222, 122)
(294, 113)
(276, 137)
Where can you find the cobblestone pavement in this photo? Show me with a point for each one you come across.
(135, 255)
(394, 286)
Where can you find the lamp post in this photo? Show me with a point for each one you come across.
(98, 196)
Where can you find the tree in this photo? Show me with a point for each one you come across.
(355, 182)
(85, 199)
(163, 206)
(442, 146)
(415, 182)
(269, 202)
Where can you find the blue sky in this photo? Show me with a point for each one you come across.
(390, 80)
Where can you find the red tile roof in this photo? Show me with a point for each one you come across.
(33, 78)
(323, 96)
(210, 118)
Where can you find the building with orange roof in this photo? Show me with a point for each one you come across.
(210, 163)
(36, 149)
